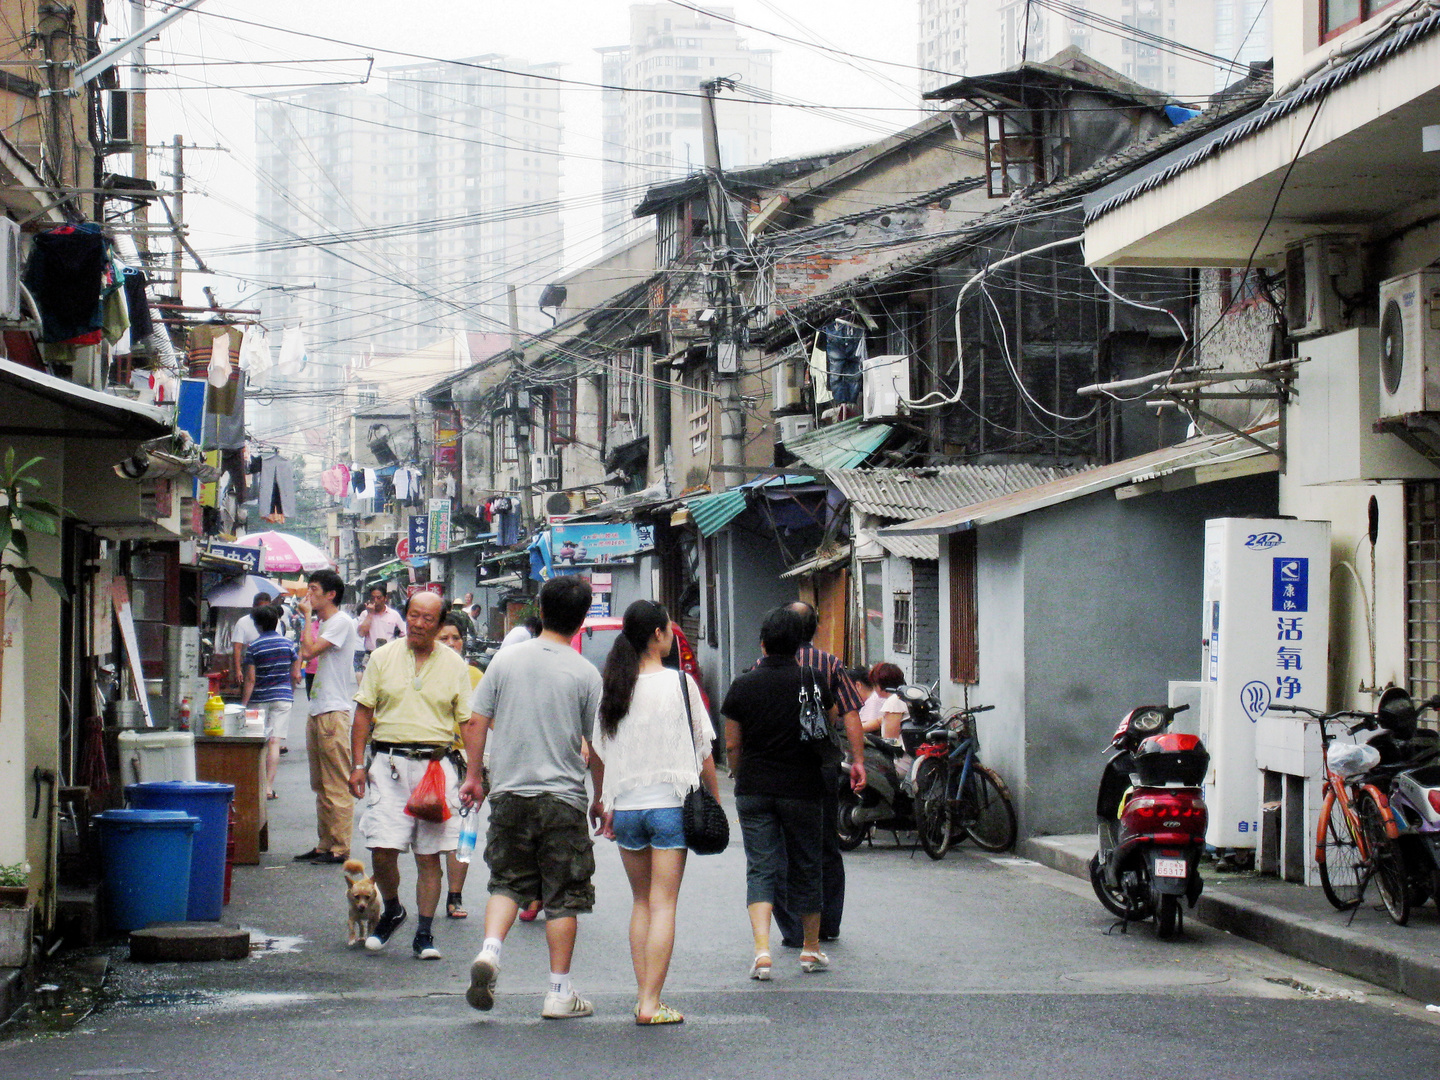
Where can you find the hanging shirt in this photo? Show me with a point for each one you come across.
(65, 273)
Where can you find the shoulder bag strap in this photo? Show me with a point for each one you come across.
(689, 719)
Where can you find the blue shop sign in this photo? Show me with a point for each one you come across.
(250, 556)
(593, 543)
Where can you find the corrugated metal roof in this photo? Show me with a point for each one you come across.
(1199, 454)
(915, 493)
(711, 513)
(820, 561)
(1313, 90)
(911, 547)
(845, 445)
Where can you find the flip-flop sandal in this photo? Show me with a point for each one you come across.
(663, 1015)
(761, 971)
(454, 907)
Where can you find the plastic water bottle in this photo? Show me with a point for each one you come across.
(469, 829)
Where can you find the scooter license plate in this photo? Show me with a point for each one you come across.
(1172, 868)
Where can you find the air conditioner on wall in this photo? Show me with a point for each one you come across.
(9, 270)
(887, 383)
(1410, 344)
(792, 427)
(1323, 276)
(544, 467)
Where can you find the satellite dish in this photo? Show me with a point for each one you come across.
(557, 504)
(1392, 347)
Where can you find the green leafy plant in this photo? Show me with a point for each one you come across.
(24, 512)
(15, 874)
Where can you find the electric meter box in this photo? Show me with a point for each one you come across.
(1265, 640)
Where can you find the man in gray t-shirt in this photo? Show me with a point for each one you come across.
(536, 702)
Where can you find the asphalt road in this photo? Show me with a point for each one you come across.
(973, 967)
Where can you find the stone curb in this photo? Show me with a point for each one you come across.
(1339, 948)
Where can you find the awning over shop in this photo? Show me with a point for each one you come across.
(914, 493)
(84, 413)
(846, 445)
(1196, 461)
(711, 513)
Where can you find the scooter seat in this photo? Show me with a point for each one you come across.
(885, 746)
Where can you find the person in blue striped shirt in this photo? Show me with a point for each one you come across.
(272, 671)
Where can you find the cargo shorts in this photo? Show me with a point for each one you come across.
(538, 848)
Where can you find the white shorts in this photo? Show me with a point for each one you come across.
(277, 717)
(384, 822)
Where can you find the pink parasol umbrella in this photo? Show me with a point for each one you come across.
(286, 554)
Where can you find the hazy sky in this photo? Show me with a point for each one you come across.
(222, 60)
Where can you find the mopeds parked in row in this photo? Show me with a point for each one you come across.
(1151, 821)
(887, 800)
(1409, 773)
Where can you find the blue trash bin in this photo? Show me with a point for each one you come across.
(211, 804)
(146, 855)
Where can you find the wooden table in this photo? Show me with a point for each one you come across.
(239, 760)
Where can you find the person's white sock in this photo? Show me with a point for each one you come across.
(492, 945)
(560, 983)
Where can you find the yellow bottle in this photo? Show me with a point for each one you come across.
(214, 713)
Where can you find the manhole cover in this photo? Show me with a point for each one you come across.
(1140, 978)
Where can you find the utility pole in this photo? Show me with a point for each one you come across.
(520, 416)
(727, 328)
(139, 155)
(177, 248)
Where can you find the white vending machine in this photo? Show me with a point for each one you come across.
(1266, 639)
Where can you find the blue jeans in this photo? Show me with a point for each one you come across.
(784, 842)
(661, 828)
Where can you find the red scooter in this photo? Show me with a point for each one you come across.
(1152, 821)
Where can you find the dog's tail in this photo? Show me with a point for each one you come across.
(354, 869)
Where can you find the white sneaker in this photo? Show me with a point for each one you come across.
(566, 1007)
(484, 974)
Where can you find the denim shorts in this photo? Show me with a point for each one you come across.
(635, 830)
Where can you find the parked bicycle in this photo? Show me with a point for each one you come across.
(1359, 838)
(954, 792)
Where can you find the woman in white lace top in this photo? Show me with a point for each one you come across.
(656, 750)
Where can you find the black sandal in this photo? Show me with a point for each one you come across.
(454, 906)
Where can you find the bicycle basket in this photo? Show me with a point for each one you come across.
(1351, 759)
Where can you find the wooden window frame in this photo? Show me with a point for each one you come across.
(964, 609)
(561, 414)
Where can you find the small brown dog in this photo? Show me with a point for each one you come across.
(364, 900)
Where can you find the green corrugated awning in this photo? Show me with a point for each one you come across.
(711, 513)
(846, 445)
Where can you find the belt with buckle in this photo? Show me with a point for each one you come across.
(420, 751)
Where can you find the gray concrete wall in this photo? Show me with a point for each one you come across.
(749, 586)
(1000, 597)
(1112, 594)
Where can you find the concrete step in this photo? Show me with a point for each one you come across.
(188, 941)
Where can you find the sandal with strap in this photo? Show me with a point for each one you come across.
(455, 907)
(760, 969)
(811, 962)
(663, 1015)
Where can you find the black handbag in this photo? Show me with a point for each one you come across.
(707, 830)
(814, 725)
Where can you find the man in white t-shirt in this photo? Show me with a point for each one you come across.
(244, 633)
(332, 697)
(380, 624)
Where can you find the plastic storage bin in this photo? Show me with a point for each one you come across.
(146, 856)
(149, 756)
(211, 804)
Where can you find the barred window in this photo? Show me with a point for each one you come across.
(900, 619)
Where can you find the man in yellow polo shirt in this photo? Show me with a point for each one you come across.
(413, 699)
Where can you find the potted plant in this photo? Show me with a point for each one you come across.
(15, 884)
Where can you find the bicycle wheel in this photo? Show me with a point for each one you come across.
(932, 814)
(1387, 867)
(1341, 862)
(992, 821)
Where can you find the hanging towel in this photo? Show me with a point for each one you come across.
(116, 318)
(336, 481)
(819, 380)
(292, 352)
(136, 303)
(217, 373)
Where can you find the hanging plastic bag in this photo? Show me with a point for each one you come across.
(427, 801)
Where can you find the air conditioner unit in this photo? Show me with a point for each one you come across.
(886, 384)
(789, 382)
(792, 427)
(544, 467)
(1323, 277)
(10, 270)
(120, 116)
(1410, 344)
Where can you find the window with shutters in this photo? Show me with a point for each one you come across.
(964, 613)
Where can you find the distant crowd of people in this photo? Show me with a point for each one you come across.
(527, 735)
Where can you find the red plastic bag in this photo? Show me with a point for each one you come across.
(427, 801)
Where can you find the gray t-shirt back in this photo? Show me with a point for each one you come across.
(542, 699)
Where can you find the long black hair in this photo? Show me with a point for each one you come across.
(622, 666)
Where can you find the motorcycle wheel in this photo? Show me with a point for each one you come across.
(932, 815)
(1167, 916)
(848, 835)
(1115, 900)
